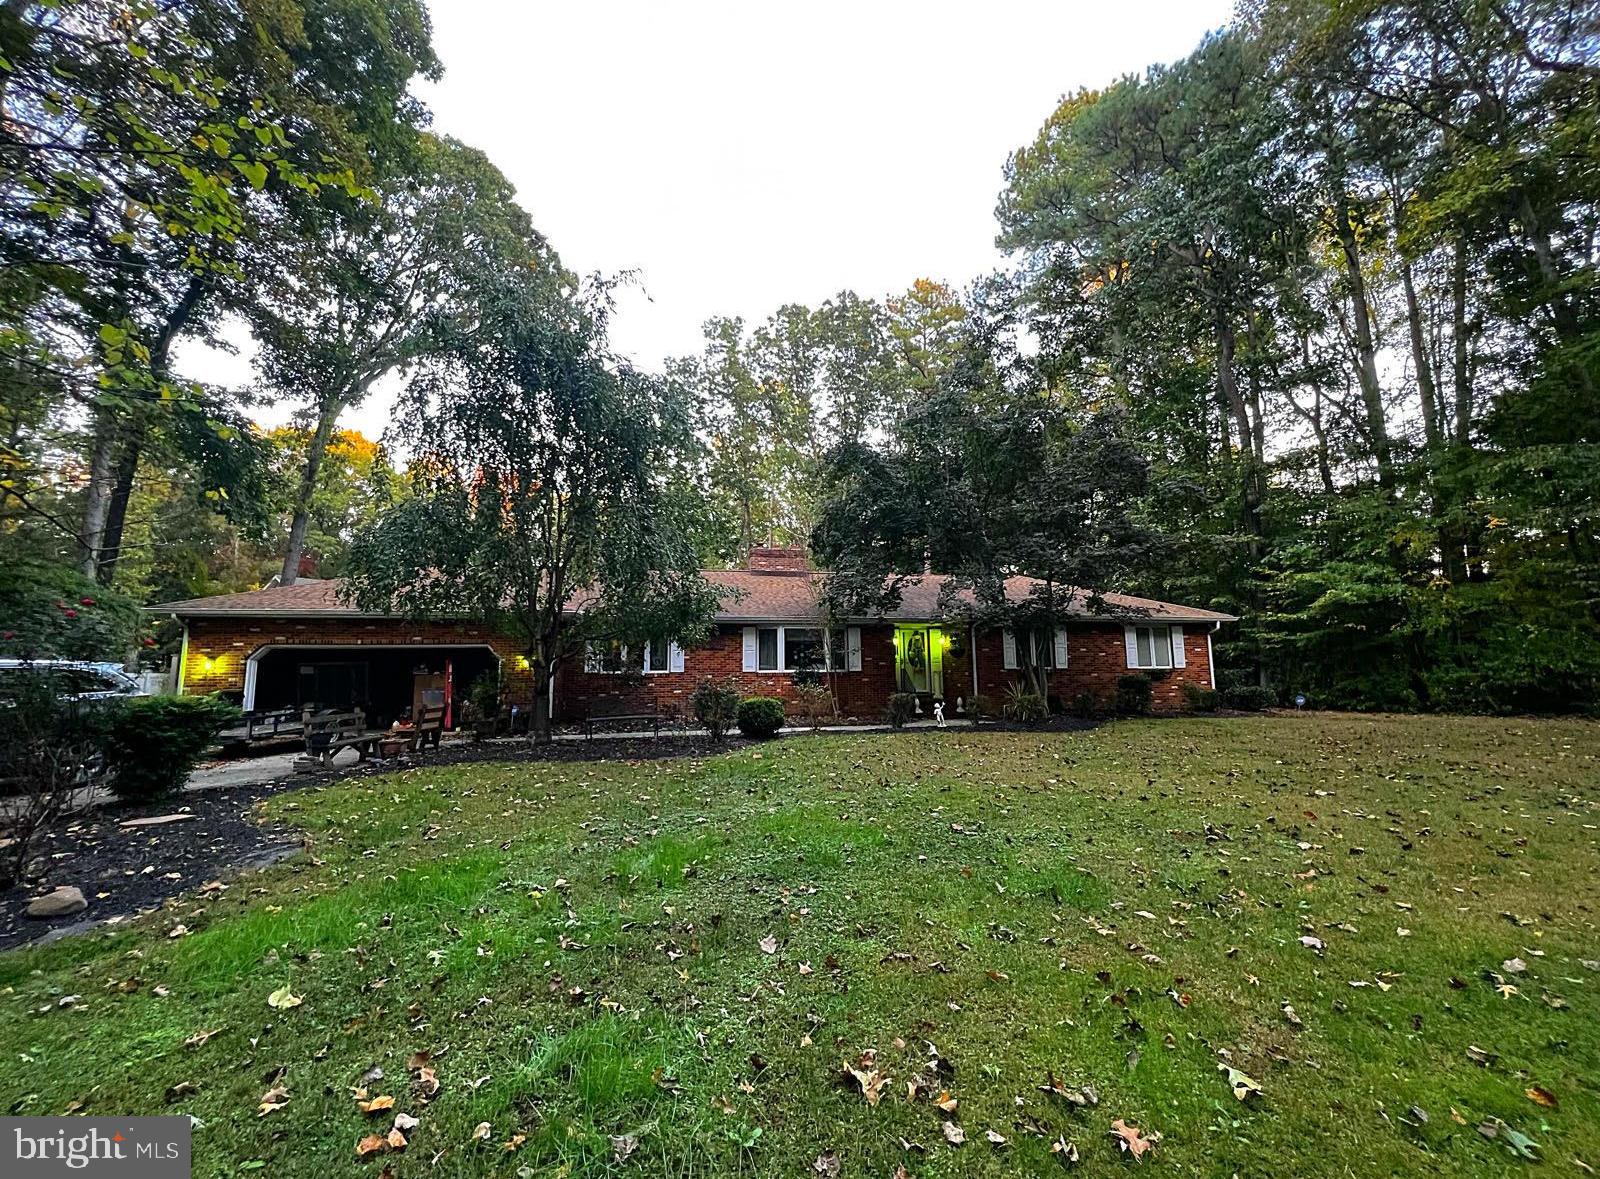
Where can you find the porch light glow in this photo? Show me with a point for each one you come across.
(522, 663)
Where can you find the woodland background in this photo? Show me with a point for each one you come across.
(1304, 327)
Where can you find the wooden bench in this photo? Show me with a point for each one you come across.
(329, 732)
(609, 709)
(428, 726)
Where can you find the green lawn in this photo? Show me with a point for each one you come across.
(584, 949)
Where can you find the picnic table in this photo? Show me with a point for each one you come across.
(329, 732)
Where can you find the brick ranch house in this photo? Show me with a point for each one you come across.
(299, 645)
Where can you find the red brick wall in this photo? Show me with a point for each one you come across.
(228, 642)
(1096, 657)
(862, 694)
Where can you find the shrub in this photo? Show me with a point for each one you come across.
(715, 704)
(815, 701)
(1023, 705)
(1200, 699)
(483, 694)
(983, 706)
(154, 742)
(1084, 706)
(902, 707)
(49, 747)
(1250, 698)
(1133, 694)
(760, 716)
(53, 611)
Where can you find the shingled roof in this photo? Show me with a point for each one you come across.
(757, 595)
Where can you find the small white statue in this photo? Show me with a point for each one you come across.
(938, 713)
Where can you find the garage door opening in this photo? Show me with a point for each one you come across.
(383, 682)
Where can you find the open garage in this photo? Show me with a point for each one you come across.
(382, 681)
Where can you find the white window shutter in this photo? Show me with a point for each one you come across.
(1177, 646)
(591, 657)
(1008, 640)
(674, 657)
(1130, 639)
(749, 648)
(1061, 647)
(852, 648)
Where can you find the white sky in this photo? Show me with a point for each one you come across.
(740, 156)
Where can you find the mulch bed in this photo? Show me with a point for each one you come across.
(127, 870)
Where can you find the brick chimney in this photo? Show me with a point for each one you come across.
(786, 560)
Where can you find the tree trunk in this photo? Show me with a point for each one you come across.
(121, 493)
(1366, 349)
(110, 544)
(1427, 390)
(1460, 332)
(1253, 487)
(97, 496)
(326, 421)
(539, 708)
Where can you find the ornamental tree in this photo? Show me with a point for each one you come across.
(550, 498)
(988, 474)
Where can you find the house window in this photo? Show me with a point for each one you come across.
(767, 648)
(605, 657)
(803, 649)
(656, 657)
(1044, 649)
(1152, 646)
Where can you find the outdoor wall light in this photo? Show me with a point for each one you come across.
(208, 664)
(522, 663)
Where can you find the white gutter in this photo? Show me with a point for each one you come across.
(183, 654)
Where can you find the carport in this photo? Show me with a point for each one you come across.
(382, 680)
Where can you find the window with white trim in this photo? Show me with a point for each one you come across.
(1152, 646)
(800, 648)
(769, 642)
(657, 656)
(1044, 647)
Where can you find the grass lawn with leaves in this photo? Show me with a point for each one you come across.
(1306, 945)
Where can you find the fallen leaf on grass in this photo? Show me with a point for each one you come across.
(1066, 1151)
(1516, 1142)
(867, 1078)
(283, 998)
(826, 1164)
(1243, 1086)
(996, 1140)
(954, 1134)
(623, 1145)
(1312, 943)
(1082, 1097)
(181, 1090)
(376, 1105)
(1135, 1141)
(481, 1132)
(199, 1038)
(370, 1145)
(1539, 1095)
(273, 1100)
(769, 944)
(405, 1123)
(946, 1102)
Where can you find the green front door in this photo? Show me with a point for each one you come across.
(919, 659)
